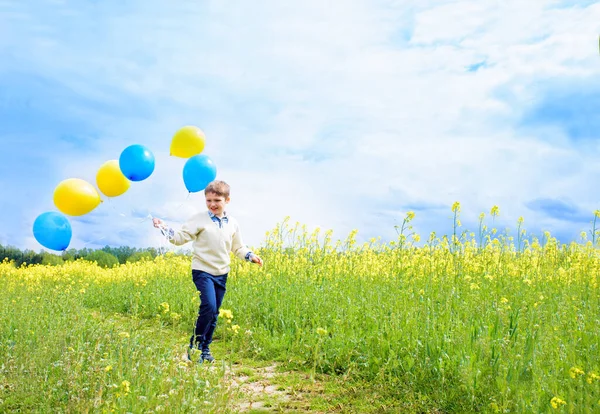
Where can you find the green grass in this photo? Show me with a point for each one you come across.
(372, 329)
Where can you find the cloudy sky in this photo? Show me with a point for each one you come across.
(341, 114)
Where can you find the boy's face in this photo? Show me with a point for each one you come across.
(216, 203)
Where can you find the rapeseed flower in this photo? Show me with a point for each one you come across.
(592, 377)
(225, 313)
(574, 372)
(164, 307)
(557, 402)
(321, 331)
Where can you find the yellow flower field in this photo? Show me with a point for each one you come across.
(466, 322)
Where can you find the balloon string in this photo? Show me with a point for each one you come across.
(164, 240)
(184, 201)
(94, 241)
(164, 244)
(171, 212)
(110, 203)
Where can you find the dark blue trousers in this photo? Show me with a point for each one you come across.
(212, 289)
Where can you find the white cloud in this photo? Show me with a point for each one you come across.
(274, 81)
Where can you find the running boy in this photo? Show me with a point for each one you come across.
(214, 235)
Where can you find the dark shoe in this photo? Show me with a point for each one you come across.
(207, 357)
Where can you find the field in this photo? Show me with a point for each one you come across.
(465, 323)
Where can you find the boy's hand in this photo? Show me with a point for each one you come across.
(164, 229)
(255, 259)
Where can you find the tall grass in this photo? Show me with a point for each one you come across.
(468, 322)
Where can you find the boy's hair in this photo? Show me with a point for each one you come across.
(220, 188)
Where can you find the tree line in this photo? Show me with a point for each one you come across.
(105, 257)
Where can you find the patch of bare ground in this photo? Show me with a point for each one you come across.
(261, 389)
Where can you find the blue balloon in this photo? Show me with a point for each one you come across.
(136, 162)
(52, 230)
(198, 171)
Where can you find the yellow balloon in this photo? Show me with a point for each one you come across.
(76, 197)
(110, 179)
(187, 142)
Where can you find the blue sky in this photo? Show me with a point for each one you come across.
(342, 114)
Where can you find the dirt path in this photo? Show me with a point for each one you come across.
(265, 389)
(257, 390)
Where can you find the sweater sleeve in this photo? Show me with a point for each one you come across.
(189, 231)
(237, 246)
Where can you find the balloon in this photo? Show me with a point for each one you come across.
(76, 197)
(198, 172)
(136, 162)
(52, 230)
(110, 179)
(188, 141)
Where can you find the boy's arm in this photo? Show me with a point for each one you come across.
(238, 247)
(188, 232)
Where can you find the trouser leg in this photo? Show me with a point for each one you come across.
(208, 308)
(208, 336)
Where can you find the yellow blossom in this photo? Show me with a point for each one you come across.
(164, 307)
(225, 313)
(557, 402)
(574, 372)
(108, 368)
(592, 377)
(124, 334)
(321, 331)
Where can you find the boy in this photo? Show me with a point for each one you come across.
(214, 235)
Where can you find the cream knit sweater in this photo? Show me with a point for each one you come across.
(211, 243)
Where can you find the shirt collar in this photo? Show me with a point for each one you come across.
(214, 216)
